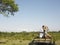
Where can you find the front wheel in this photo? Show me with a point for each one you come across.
(53, 42)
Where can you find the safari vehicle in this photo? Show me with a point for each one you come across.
(44, 38)
(42, 41)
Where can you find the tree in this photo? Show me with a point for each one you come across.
(8, 7)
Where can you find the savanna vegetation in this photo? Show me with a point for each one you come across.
(22, 38)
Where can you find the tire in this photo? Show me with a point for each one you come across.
(32, 44)
(53, 42)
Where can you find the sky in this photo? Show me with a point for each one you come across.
(32, 15)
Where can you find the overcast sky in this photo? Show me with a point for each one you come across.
(32, 15)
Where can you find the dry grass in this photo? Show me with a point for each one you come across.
(21, 42)
(22, 38)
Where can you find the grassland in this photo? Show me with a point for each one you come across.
(23, 38)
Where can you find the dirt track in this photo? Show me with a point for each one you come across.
(58, 42)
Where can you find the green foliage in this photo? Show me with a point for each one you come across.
(55, 35)
(22, 38)
(26, 35)
(8, 7)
